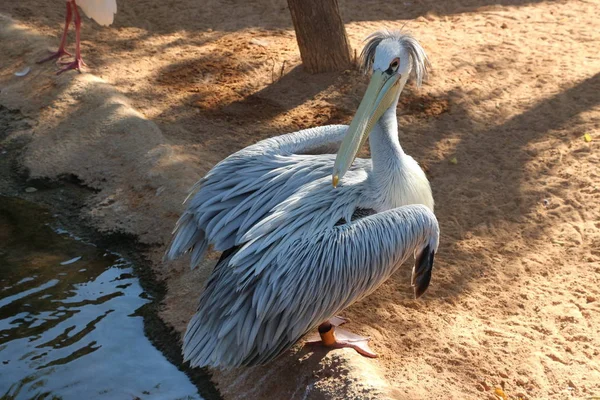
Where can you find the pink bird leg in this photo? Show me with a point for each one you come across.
(63, 41)
(78, 63)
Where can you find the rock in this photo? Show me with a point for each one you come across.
(30, 190)
(259, 42)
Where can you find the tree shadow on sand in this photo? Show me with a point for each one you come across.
(222, 115)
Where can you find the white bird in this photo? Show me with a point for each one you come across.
(102, 11)
(296, 249)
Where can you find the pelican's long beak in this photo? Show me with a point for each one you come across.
(380, 94)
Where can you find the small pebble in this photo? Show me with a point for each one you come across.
(71, 261)
(30, 189)
(23, 72)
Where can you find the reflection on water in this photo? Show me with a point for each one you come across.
(68, 329)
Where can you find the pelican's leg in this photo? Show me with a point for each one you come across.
(78, 63)
(332, 336)
(63, 41)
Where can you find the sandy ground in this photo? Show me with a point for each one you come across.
(174, 86)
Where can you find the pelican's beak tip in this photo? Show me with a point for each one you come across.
(335, 180)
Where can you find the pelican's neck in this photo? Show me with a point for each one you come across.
(397, 178)
(386, 152)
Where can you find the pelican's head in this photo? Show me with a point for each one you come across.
(393, 57)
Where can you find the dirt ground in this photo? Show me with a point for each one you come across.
(174, 86)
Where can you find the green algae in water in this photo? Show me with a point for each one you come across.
(68, 328)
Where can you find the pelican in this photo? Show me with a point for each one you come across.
(297, 250)
(102, 11)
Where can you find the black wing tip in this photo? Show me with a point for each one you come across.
(423, 269)
(423, 284)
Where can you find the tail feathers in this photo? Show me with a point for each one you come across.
(421, 273)
(205, 346)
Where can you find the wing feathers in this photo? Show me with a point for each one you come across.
(282, 300)
(246, 186)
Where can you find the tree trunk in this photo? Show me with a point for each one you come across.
(321, 35)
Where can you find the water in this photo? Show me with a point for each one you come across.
(68, 325)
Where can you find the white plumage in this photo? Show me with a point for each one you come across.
(101, 11)
(297, 250)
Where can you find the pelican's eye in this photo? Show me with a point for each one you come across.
(394, 64)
